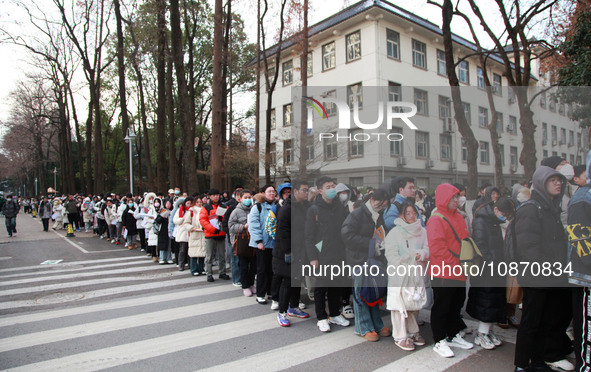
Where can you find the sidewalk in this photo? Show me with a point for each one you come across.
(28, 229)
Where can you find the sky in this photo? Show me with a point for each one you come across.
(14, 62)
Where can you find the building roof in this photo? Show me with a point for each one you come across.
(362, 6)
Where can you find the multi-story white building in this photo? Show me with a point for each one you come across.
(377, 44)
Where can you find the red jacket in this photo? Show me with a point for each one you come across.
(440, 236)
(206, 215)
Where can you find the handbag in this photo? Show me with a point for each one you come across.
(514, 291)
(240, 246)
(469, 252)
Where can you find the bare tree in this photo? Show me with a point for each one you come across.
(162, 170)
(218, 125)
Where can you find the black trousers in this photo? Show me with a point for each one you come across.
(333, 295)
(74, 219)
(174, 248)
(182, 258)
(540, 336)
(448, 300)
(102, 226)
(248, 270)
(264, 272)
(289, 293)
(45, 222)
(142, 234)
(582, 327)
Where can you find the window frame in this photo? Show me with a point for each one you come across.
(441, 63)
(352, 46)
(466, 72)
(331, 55)
(395, 44)
(288, 72)
(423, 142)
(424, 104)
(418, 54)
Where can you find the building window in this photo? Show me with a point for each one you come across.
(422, 182)
(328, 56)
(463, 72)
(497, 85)
(330, 148)
(514, 156)
(310, 64)
(579, 140)
(273, 119)
(513, 125)
(572, 159)
(422, 102)
(563, 136)
(444, 107)
(480, 77)
(393, 44)
(287, 152)
(579, 159)
(554, 133)
(394, 92)
(512, 97)
(419, 54)
(354, 95)
(467, 112)
(353, 42)
(464, 151)
(355, 147)
(554, 153)
(545, 154)
(544, 133)
(396, 147)
(356, 181)
(331, 107)
(484, 155)
(543, 100)
(502, 153)
(273, 154)
(552, 105)
(445, 141)
(571, 138)
(287, 115)
(563, 155)
(309, 147)
(561, 109)
(500, 122)
(441, 67)
(288, 72)
(482, 117)
(422, 144)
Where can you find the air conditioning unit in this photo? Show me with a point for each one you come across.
(544, 141)
(554, 142)
(513, 168)
(401, 162)
(429, 163)
(452, 166)
(447, 125)
(562, 142)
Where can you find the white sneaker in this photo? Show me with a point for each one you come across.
(458, 341)
(347, 312)
(442, 348)
(274, 305)
(493, 337)
(339, 320)
(302, 305)
(563, 365)
(323, 325)
(483, 340)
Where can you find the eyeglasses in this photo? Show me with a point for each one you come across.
(304, 190)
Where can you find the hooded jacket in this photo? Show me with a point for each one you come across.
(323, 232)
(357, 231)
(196, 238)
(541, 240)
(440, 236)
(237, 220)
(256, 225)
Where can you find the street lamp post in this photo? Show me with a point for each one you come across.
(36, 186)
(55, 179)
(129, 139)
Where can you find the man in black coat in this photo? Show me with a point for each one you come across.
(10, 209)
(290, 217)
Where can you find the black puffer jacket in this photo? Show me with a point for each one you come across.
(541, 240)
(357, 231)
(487, 297)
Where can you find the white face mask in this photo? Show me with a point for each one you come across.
(461, 201)
(344, 197)
(567, 171)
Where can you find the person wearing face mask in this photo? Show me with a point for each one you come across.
(214, 236)
(324, 246)
(197, 251)
(160, 227)
(183, 220)
(344, 195)
(239, 221)
(357, 231)
(406, 245)
(487, 294)
(406, 192)
(462, 206)
(568, 171)
(129, 222)
(152, 206)
(540, 237)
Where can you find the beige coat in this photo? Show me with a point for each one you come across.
(196, 238)
(183, 225)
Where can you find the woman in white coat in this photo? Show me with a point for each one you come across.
(406, 247)
(183, 220)
(196, 242)
(58, 213)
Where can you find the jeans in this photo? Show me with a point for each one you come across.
(367, 319)
(131, 239)
(10, 223)
(234, 262)
(197, 265)
(215, 247)
(165, 255)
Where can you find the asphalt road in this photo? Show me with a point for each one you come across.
(103, 307)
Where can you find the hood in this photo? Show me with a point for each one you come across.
(285, 185)
(342, 187)
(515, 190)
(443, 194)
(541, 175)
(178, 202)
(487, 212)
(488, 192)
(390, 186)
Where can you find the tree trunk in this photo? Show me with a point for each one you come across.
(257, 148)
(121, 74)
(526, 123)
(174, 180)
(463, 126)
(88, 149)
(304, 77)
(217, 124)
(162, 171)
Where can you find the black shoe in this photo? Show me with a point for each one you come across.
(182, 268)
(224, 276)
(210, 278)
(541, 368)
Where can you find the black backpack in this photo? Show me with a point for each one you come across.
(511, 236)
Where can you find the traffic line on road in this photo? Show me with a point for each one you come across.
(65, 264)
(60, 286)
(136, 351)
(71, 242)
(117, 324)
(76, 269)
(52, 314)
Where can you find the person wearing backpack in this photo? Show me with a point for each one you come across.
(325, 246)
(445, 230)
(406, 192)
(487, 297)
(540, 238)
(406, 245)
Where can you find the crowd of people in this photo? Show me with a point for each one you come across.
(259, 235)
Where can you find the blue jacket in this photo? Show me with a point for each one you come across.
(391, 213)
(256, 225)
